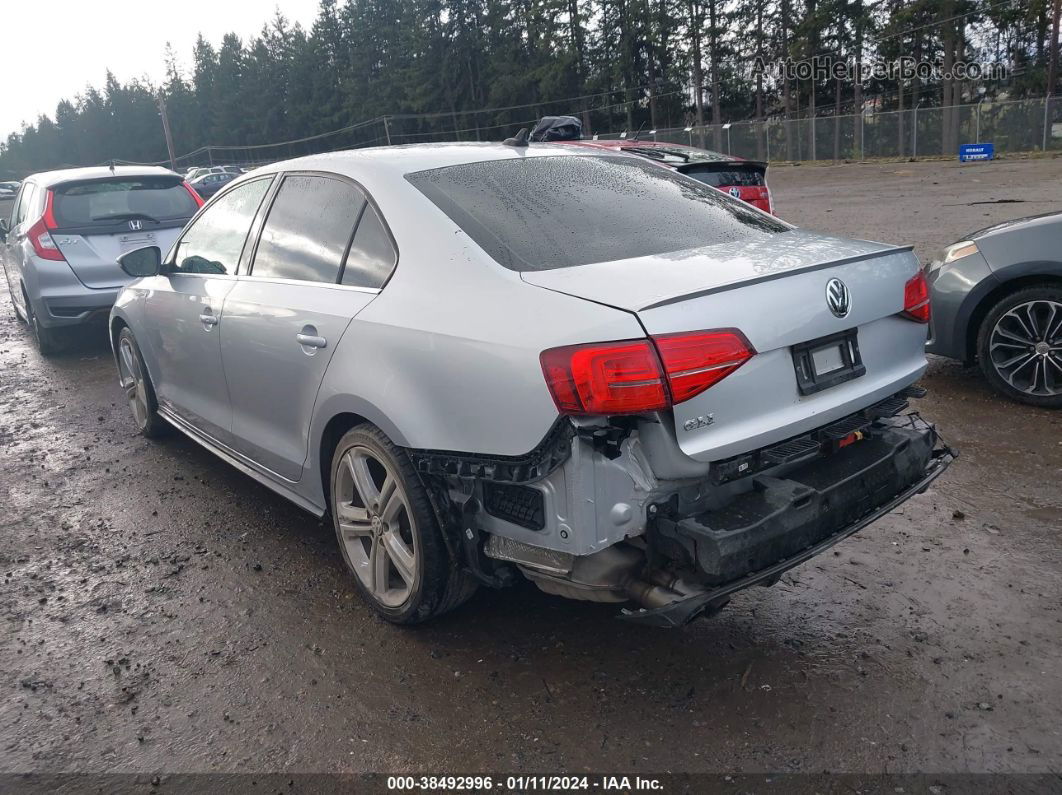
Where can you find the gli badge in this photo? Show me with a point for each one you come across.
(698, 422)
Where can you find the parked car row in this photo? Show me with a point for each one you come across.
(562, 362)
(199, 171)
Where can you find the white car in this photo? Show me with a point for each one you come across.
(487, 361)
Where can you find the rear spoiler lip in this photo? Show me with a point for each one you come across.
(111, 228)
(724, 165)
(722, 288)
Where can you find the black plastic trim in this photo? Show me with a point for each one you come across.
(808, 381)
(680, 613)
(554, 449)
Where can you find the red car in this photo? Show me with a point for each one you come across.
(742, 179)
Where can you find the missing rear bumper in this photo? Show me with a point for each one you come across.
(769, 536)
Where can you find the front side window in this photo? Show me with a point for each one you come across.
(308, 229)
(372, 256)
(540, 213)
(213, 243)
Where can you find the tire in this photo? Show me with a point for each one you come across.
(48, 340)
(1019, 346)
(14, 308)
(388, 532)
(138, 388)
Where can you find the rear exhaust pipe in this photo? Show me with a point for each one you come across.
(651, 596)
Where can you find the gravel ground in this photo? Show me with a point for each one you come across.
(163, 612)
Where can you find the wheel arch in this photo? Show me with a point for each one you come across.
(334, 418)
(1030, 275)
(115, 325)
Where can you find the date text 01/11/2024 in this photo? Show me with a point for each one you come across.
(523, 783)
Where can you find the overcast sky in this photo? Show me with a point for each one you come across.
(52, 50)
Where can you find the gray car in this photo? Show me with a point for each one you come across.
(997, 301)
(66, 228)
(493, 361)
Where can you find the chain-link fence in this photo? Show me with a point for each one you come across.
(1012, 126)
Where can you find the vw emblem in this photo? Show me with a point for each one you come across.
(136, 225)
(838, 298)
(735, 192)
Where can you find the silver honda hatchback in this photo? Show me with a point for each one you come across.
(487, 362)
(65, 231)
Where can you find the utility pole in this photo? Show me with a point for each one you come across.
(1052, 61)
(166, 131)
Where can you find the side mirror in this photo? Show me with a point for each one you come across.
(142, 262)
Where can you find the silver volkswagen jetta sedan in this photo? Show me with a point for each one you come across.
(487, 361)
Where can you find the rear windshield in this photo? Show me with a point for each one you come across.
(541, 213)
(742, 176)
(104, 202)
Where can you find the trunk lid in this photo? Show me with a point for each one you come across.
(93, 257)
(774, 291)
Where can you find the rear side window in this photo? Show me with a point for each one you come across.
(372, 257)
(104, 202)
(541, 213)
(25, 201)
(308, 229)
(214, 241)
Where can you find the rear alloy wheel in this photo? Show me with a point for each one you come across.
(1020, 346)
(137, 385)
(388, 532)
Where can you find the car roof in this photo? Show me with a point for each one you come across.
(411, 158)
(48, 179)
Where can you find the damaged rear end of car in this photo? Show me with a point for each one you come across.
(762, 416)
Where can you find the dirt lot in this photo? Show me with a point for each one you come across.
(162, 612)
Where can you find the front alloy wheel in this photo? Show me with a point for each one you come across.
(136, 384)
(1021, 346)
(388, 531)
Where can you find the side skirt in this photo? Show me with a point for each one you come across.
(272, 481)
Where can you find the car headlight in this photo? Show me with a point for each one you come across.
(959, 250)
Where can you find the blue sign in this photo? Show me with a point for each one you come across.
(976, 152)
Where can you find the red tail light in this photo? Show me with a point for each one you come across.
(636, 376)
(40, 234)
(605, 378)
(198, 199)
(916, 298)
(695, 361)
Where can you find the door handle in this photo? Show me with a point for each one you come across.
(311, 340)
(208, 319)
